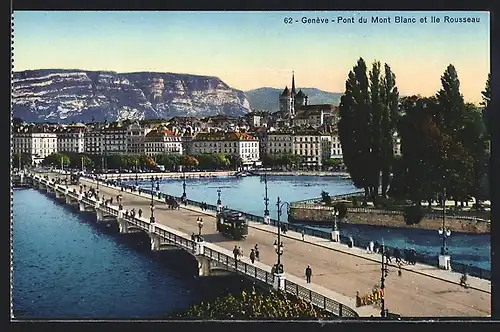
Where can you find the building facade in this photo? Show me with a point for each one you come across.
(135, 137)
(114, 139)
(38, 144)
(71, 139)
(162, 142)
(240, 144)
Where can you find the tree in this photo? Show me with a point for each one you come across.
(368, 112)
(25, 159)
(389, 100)
(190, 162)
(56, 160)
(486, 95)
(415, 173)
(235, 161)
(456, 165)
(87, 162)
(353, 125)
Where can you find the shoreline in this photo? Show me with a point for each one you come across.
(330, 223)
(304, 173)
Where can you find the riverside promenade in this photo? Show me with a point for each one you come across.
(421, 291)
(165, 175)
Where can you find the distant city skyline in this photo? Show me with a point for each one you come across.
(249, 50)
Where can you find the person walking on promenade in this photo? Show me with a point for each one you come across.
(240, 252)
(308, 274)
(388, 255)
(397, 256)
(236, 253)
(193, 237)
(372, 247)
(140, 212)
(252, 256)
(257, 252)
(303, 233)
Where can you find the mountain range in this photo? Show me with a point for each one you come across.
(65, 96)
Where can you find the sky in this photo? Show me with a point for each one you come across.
(249, 50)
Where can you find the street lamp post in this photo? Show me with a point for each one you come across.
(152, 219)
(444, 257)
(384, 272)
(335, 230)
(200, 225)
(183, 184)
(267, 218)
(278, 243)
(219, 201)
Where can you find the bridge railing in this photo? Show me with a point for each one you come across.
(266, 277)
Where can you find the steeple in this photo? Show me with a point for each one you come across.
(293, 83)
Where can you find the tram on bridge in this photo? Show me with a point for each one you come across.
(232, 224)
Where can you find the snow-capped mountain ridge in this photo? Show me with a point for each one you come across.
(78, 95)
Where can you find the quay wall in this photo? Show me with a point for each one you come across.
(319, 216)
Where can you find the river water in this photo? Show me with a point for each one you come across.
(67, 267)
(247, 194)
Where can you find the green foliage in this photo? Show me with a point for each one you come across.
(56, 160)
(367, 112)
(413, 214)
(25, 160)
(253, 305)
(325, 198)
(341, 208)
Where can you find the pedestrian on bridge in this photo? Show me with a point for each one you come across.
(257, 252)
(240, 252)
(236, 253)
(308, 274)
(252, 256)
(303, 233)
(140, 212)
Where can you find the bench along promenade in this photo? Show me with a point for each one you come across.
(209, 256)
(421, 290)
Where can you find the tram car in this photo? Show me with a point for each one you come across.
(233, 224)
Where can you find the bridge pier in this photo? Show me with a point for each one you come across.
(279, 281)
(58, 194)
(122, 223)
(203, 266)
(99, 215)
(68, 198)
(81, 205)
(155, 241)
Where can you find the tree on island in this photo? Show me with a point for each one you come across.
(366, 127)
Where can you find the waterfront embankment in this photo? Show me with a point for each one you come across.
(376, 218)
(303, 173)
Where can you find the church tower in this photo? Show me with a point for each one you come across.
(286, 102)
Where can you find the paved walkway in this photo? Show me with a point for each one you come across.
(419, 292)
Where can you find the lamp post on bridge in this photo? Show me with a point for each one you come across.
(267, 219)
(200, 225)
(152, 206)
(278, 244)
(444, 257)
(136, 173)
(384, 272)
(219, 201)
(183, 184)
(335, 230)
